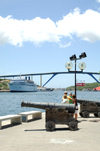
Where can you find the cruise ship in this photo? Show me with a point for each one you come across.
(22, 85)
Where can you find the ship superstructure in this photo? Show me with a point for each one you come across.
(22, 85)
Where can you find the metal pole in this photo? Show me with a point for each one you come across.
(75, 77)
(41, 80)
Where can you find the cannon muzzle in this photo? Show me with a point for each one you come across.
(88, 101)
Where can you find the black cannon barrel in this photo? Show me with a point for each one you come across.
(87, 101)
(43, 105)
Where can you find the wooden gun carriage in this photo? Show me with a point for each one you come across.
(87, 107)
(56, 113)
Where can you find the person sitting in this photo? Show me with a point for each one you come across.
(70, 99)
(64, 98)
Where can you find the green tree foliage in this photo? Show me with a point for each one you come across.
(4, 84)
(88, 86)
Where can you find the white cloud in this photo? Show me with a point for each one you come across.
(37, 30)
(86, 25)
(83, 25)
(98, 1)
(65, 45)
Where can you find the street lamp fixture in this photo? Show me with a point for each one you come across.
(83, 55)
(82, 65)
(68, 65)
(73, 57)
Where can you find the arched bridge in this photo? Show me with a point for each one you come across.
(53, 74)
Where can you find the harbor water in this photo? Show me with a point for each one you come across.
(10, 103)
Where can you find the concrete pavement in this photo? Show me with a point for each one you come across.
(32, 136)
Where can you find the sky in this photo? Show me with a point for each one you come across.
(38, 36)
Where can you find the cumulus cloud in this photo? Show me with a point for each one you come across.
(37, 30)
(83, 25)
(65, 45)
(98, 1)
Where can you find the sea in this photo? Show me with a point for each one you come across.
(10, 102)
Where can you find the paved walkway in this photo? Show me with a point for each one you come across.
(32, 136)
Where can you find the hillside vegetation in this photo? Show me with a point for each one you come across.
(4, 84)
(88, 86)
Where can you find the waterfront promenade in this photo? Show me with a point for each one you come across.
(33, 136)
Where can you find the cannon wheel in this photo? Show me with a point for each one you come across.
(96, 114)
(81, 114)
(73, 125)
(85, 114)
(50, 126)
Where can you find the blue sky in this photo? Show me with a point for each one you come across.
(40, 35)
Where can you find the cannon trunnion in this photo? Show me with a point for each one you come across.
(56, 113)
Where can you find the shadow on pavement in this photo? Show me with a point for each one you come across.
(56, 129)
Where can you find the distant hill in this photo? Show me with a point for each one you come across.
(88, 86)
(4, 85)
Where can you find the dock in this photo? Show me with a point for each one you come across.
(33, 136)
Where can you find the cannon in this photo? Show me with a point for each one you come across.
(56, 113)
(87, 107)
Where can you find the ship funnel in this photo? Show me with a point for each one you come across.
(28, 78)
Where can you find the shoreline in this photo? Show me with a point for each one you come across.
(4, 90)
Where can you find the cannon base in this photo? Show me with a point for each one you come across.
(60, 116)
(89, 107)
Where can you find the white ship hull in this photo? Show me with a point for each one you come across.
(22, 86)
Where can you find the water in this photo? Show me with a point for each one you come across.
(10, 103)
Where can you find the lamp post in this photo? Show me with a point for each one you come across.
(74, 58)
(75, 76)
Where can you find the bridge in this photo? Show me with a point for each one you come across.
(53, 74)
